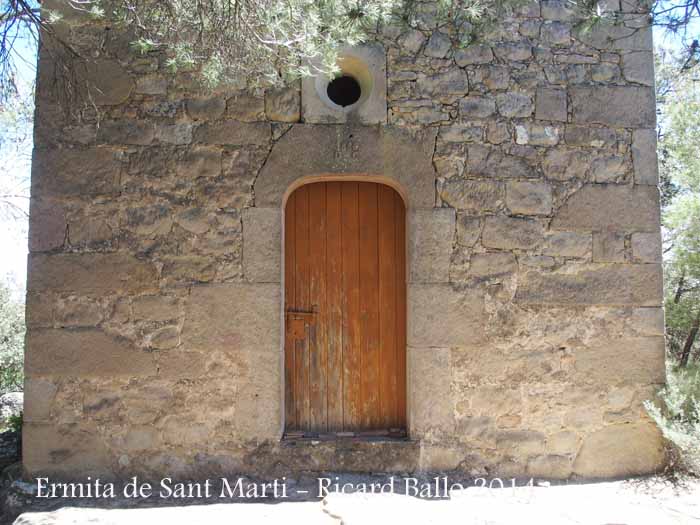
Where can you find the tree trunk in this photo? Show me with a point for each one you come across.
(679, 289)
(685, 354)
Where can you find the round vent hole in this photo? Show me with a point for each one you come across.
(344, 91)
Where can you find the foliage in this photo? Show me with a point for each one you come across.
(14, 422)
(679, 415)
(11, 342)
(680, 169)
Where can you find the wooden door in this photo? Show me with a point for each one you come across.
(345, 310)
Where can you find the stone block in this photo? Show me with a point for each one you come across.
(474, 107)
(90, 272)
(598, 207)
(84, 353)
(621, 450)
(151, 85)
(89, 171)
(638, 67)
(508, 233)
(472, 196)
(441, 316)
(633, 361)
(536, 135)
(610, 168)
(608, 246)
(432, 406)
(431, 236)
(646, 247)
(550, 104)
(155, 307)
(529, 198)
(126, 132)
(311, 150)
(234, 133)
(63, 451)
(644, 157)
(178, 134)
(283, 104)
(648, 321)
(468, 230)
(205, 108)
(474, 54)
(233, 317)
(627, 33)
(262, 245)
(492, 265)
(106, 82)
(590, 137)
(565, 164)
(568, 244)
(595, 284)
(47, 225)
(246, 107)
(39, 394)
(514, 104)
(615, 106)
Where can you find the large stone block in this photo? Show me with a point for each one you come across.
(47, 225)
(431, 235)
(233, 317)
(262, 245)
(84, 353)
(599, 284)
(621, 450)
(442, 316)
(598, 207)
(89, 171)
(65, 452)
(474, 196)
(550, 104)
(508, 233)
(234, 133)
(615, 106)
(621, 361)
(430, 395)
(312, 150)
(644, 157)
(90, 272)
(39, 394)
(529, 198)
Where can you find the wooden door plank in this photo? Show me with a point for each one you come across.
(302, 303)
(334, 323)
(387, 302)
(317, 299)
(289, 289)
(400, 350)
(369, 306)
(351, 307)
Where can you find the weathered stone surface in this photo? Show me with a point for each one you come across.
(646, 247)
(344, 150)
(514, 105)
(430, 244)
(84, 353)
(620, 450)
(622, 361)
(475, 107)
(47, 225)
(108, 83)
(610, 207)
(638, 67)
(262, 239)
(550, 104)
(468, 229)
(206, 108)
(630, 32)
(90, 272)
(565, 164)
(151, 85)
(472, 196)
(510, 233)
(644, 157)
(443, 86)
(529, 198)
(156, 307)
(233, 318)
(233, 133)
(629, 107)
(246, 107)
(438, 45)
(63, 172)
(610, 168)
(603, 284)
(490, 265)
(608, 246)
(568, 244)
(40, 393)
(283, 105)
(431, 396)
(474, 54)
(129, 132)
(536, 135)
(590, 137)
(441, 316)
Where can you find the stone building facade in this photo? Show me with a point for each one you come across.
(527, 166)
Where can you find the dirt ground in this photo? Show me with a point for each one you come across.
(633, 502)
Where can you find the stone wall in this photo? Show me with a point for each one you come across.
(535, 324)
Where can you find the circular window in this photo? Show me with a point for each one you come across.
(344, 90)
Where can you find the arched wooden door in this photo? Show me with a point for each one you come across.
(345, 310)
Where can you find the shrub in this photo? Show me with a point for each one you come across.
(11, 342)
(678, 417)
